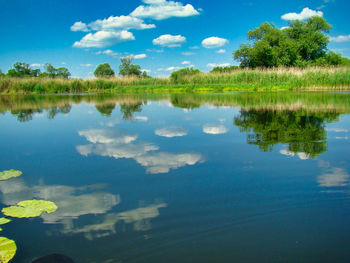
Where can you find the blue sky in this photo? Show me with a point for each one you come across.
(161, 35)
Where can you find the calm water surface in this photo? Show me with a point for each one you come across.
(180, 178)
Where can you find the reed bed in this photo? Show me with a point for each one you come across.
(336, 78)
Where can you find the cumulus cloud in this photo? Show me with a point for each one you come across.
(162, 162)
(139, 56)
(186, 62)
(159, 10)
(115, 23)
(214, 42)
(338, 177)
(109, 52)
(73, 202)
(141, 118)
(170, 132)
(306, 13)
(214, 129)
(213, 65)
(108, 136)
(340, 39)
(86, 65)
(35, 65)
(79, 26)
(187, 53)
(172, 68)
(301, 155)
(120, 144)
(102, 39)
(221, 51)
(169, 40)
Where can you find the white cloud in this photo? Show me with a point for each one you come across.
(162, 162)
(102, 39)
(169, 40)
(213, 65)
(339, 177)
(337, 130)
(86, 65)
(79, 26)
(170, 132)
(214, 42)
(172, 68)
(221, 51)
(306, 13)
(301, 155)
(194, 47)
(340, 39)
(140, 56)
(116, 23)
(108, 136)
(187, 53)
(120, 144)
(109, 52)
(186, 62)
(214, 129)
(35, 65)
(141, 118)
(159, 10)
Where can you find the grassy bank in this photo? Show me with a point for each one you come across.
(337, 78)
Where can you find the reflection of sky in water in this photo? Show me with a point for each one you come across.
(166, 184)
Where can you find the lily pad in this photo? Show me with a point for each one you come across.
(30, 208)
(6, 175)
(8, 249)
(4, 220)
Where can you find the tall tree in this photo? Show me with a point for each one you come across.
(129, 69)
(104, 71)
(300, 44)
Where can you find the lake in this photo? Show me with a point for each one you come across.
(246, 177)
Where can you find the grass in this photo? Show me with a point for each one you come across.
(276, 79)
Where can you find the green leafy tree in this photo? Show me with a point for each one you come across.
(104, 71)
(22, 69)
(301, 44)
(129, 69)
(224, 69)
(53, 72)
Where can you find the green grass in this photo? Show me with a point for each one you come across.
(293, 79)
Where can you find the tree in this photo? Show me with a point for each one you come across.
(53, 72)
(104, 71)
(21, 69)
(128, 69)
(300, 44)
(1, 74)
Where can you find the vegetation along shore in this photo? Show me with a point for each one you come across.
(292, 58)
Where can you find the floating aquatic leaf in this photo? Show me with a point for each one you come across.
(4, 220)
(7, 249)
(30, 208)
(5, 175)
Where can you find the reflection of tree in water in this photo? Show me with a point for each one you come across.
(106, 109)
(184, 102)
(304, 133)
(25, 115)
(51, 113)
(129, 109)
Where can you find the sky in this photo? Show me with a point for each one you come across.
(160, 35)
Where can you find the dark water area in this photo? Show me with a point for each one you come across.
(180, 178)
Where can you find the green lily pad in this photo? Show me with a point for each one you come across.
(30, 208)
(4, 220)
(8, 249)
(6, 175)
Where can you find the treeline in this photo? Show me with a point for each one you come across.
(22, 69)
